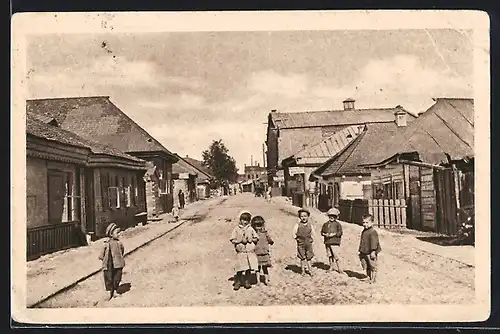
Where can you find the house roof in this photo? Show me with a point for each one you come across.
(191, 166)
(446, 128)
(334, 117)
(37, 128)
(198, 165)
(97, 118)
(347, 161)
(321, 150)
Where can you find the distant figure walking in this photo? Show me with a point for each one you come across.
(182, 201)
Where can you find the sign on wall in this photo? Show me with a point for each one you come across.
(296, 170)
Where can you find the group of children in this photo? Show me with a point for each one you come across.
(251, 241)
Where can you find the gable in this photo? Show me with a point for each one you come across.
(99, 119)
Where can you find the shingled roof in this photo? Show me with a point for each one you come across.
(37, 128)
(445, 129)
(199, 165)
(347, 161)
(97, 118)
(321, 150)
(334, 117)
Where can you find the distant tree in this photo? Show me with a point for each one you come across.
(220, 163)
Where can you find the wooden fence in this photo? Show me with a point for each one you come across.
(353, 210)
(47, 239)
(388, 213)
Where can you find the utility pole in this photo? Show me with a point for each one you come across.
(263, 155)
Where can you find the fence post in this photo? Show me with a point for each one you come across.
(392, 212)
(403, 213)
(397, 207)
(387, 218)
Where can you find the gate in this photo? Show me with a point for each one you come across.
(388, 213)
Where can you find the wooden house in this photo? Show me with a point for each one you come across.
(292, 132)
(204, 179)
(98, 118)
(298, 167)
(76, 187)
(428, 168)
(345, 180)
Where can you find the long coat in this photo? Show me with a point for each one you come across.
(244, 239)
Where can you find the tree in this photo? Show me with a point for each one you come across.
(220, 163)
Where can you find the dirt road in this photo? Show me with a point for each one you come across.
(193, 266)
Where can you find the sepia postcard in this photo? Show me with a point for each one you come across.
(250, 167)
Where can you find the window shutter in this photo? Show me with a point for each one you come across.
(104, 191)
(113, 197)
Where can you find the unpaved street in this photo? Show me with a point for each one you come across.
(193, 266)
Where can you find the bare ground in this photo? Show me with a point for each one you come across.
(193, 266)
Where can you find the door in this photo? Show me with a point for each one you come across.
(56, 193)
(90, 202)
(415, 220)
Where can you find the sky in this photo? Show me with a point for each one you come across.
(190, 88)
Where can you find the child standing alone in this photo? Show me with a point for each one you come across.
(332, 234)
(304, 234)
(262, 248)
(112, 259)
(369, 247)
(244, 239)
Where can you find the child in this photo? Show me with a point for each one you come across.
(262, 248)
(305, 235)
(112, 259)
(369, 247)
(175, 213)
(332, 234)
(244, 239)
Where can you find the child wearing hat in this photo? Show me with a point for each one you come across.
(262, 248)
(369, 248)
(244, 239)
(112, 259)
(304, 234)
(332, 234)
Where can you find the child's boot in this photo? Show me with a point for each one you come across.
(303, 268)
(309, 268)
(246, 280)
(266, 279)
(237, 281)
(330, 259)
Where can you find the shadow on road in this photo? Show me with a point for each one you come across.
(125, 287)
(355, 274)
(321, 265)
(293, 267)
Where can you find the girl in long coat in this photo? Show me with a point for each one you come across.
(244, 239)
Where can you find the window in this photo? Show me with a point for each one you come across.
(398, 190)
(114, 197)
(378, 191)
(387, 190)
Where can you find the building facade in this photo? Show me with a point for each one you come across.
(98, 118)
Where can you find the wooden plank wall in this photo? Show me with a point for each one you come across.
(388, 213)
(428, 198)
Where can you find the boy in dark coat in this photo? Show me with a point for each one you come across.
(332, 234)
(112, 258)
(369, 248)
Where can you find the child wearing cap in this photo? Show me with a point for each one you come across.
(304, 234)
(112, 257)
(369, 248)
(244, 239)
(262, 248)
(332, 234)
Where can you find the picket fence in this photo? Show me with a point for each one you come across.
(388, 213)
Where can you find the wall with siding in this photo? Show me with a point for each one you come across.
(428, 198)
(123, 216)
(36, 192)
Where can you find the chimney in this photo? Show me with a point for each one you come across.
(349, 104)
(273, 110)
(400, 117)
